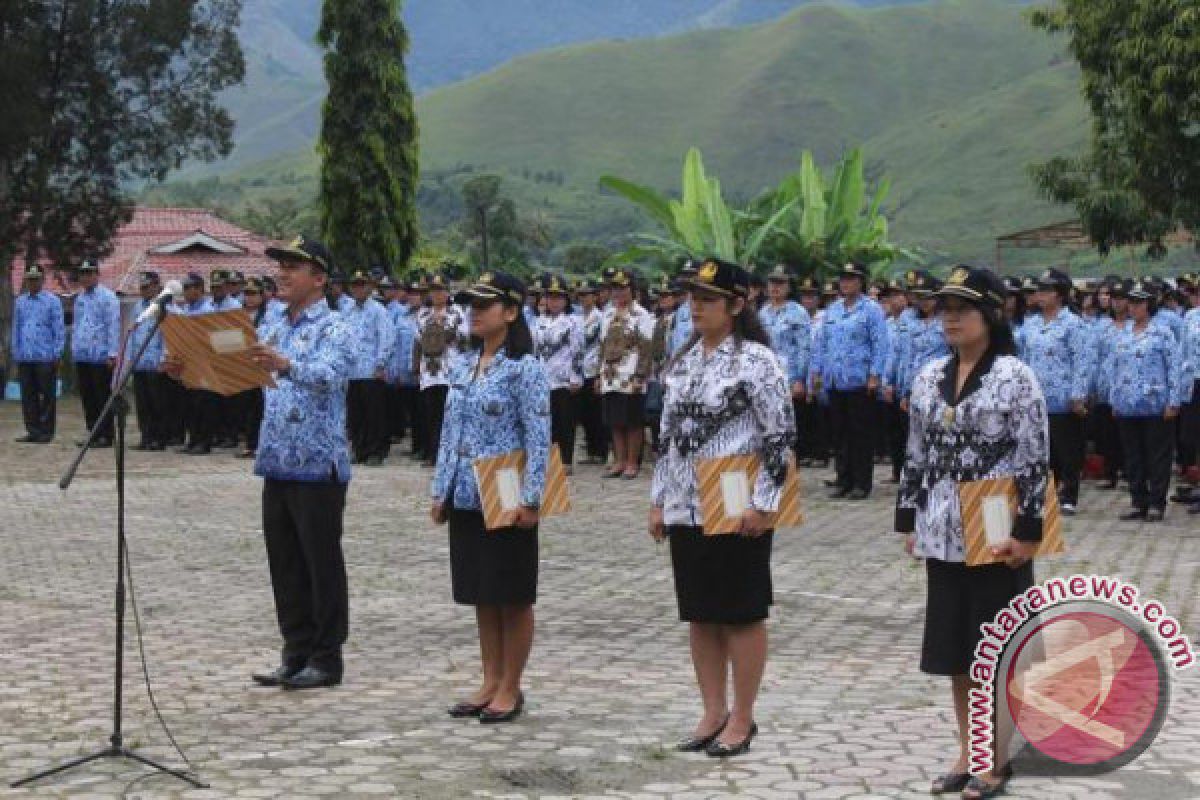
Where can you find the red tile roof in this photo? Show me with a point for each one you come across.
(152, 228)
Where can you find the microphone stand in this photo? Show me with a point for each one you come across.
(118, 407)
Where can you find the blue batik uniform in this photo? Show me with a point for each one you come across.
(1059, 353)
(38, 330)
(153, 356)
(1147, 373)
(506, 408)
(681, 329)
(854, 344)
(404, 325)
(370, 329)
(927, 342)
(1191, 354)
(790, 330)
(1105, 339)
(304, 416)
(202, 306)
(96, 335)
(227, 303)
(900, 329)
(1171, 320)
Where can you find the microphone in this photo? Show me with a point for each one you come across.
(158, 305)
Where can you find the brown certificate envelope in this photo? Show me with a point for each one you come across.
(215, 351)
(499, 479)
(989, 510)
(725, 486)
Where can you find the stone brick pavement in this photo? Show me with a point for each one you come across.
(844, 711)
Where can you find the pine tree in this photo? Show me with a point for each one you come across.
(368, 142)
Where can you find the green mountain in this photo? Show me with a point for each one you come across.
(952, 99)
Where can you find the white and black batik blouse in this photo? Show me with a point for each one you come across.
(997, 428)
(732, 401)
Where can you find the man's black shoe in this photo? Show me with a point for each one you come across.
(311, 678)
(857, 494)
(28, 438)
(1133, 514)
(102, 443)
(276, 678)
(838, 494)
(198, 450)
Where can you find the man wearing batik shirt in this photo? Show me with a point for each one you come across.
(370, 328)
(304, 458)
(854, 351)
(38, 337)
(148, 381)
(95, 342)
(1056, 346)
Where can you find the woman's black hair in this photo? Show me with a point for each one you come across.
(747, 327)
(1020, 310)
(518, 342)
(1001, 341)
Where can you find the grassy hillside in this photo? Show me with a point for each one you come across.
(953, 99)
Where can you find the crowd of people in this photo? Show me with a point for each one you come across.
(971, 377)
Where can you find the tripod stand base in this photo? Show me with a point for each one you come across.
(112, 751)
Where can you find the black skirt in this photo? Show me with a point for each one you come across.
(961, 599)
(722, 580)
(624, 410)
(492, 568)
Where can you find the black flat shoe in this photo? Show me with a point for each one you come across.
(719, 750)
(28, 438)
(950, 783)
(311, 678)
(282, 673)
(490, 717)
(977, 788)
(464, 710)
(857, 494)
(838, 494)
(1133, 514)
(698, 744)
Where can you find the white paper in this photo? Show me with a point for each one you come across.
(997, 519)
(735, 493)
(508, 484)
(228, 341)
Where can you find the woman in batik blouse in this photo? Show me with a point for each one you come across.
(977, 413)
(498, 402)
(725, 394)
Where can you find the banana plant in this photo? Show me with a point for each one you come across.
(700, 223)
(817, 227)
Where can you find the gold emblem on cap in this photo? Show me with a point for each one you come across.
(708, 272)
(297, 243)
(487, 277)
(959, 276)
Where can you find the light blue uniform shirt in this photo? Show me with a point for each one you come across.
(681, 330)
(901, 329)
(790, 330)
(96, 335)
(304, 417)
(152, 358)
(374, 337)
(1060, 355)
(38, 330)
(227, 303)
(854, 344)
(928, 342)
(1191, 353)
(506, 408)
(1147, 373)
(202, 306)
(400, 365)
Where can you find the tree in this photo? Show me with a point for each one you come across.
(278, 218)
(368, 141)
(1140, 177)
(481, 196)
(99, 95)
(585, 258)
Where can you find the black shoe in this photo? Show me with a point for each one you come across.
(977, 788)
(28, 438)
(1109, 484)
(375, 461)
(857, 494)
(489, 717)
(1133, 514)
(1155, 515)
(465, 710)
(698, 744)
(103, 443)
(1182, 495)
(950, 783)
(719, 750)
(839, 493)
(282, 673)
(45, 438)
(311, 678)
(1067, 509)
(830, 482)
(141, 446)
(198, 450)
(156, 447)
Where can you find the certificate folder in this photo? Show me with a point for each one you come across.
(989, 510)
(215, 351)
(725, 486)
(500, 481)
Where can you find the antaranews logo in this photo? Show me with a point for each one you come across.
(1078, 666)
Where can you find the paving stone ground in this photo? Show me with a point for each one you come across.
(844, 710)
